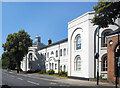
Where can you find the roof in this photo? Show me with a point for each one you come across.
(65, 40)
(38, 43)
(114, 32)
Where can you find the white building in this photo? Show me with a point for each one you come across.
(74, 55)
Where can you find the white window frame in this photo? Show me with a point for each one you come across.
(64, 51)
(77, 64)
(77, 42)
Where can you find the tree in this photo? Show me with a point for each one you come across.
(106, 14)
(8, 61)
(17, 46)
(5, 60)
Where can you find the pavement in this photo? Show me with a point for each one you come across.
(13, 79)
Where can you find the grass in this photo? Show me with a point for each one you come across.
(55, 75)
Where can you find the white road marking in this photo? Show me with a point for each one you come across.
(33, 82)
(12, 76)
(10, 72)
(20, 78)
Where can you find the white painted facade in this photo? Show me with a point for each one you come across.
(82, 27)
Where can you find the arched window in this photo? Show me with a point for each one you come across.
(64, 51)
(61, 67)
(48, 55)
(77, 63)
(60, 52)
(64, 68)
(52, 53)
(55, 66)
(78, 42)
(56, 53)
(30, 56)
(46, 66)
(104, 37)
(52, 65)
(105, 63)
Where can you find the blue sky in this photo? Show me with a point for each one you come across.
(46, 19)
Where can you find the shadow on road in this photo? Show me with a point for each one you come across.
(5, 86)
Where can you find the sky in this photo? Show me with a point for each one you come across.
(46, 19)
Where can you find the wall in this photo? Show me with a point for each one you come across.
(111, 60)
(80, 26)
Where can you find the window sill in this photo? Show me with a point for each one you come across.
(78, 50)
(104, 72)
(103, 48)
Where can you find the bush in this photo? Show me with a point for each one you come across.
(101, 76)
(61, 73)
(29, 71)
(51, 72)
(42, 71)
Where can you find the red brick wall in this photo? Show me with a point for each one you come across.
(110, 58)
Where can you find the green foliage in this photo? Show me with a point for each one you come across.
(106, 13)
(17, 46)
(5, 60)
(51, 71)
(61, 73)
(101, 76)
(42, 71)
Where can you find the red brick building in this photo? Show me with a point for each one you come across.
(112, 46)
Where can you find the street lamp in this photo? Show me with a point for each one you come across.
(117, 60)
(97, 57)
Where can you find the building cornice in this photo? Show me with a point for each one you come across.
(91, 12)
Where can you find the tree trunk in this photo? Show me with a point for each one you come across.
(18, 67)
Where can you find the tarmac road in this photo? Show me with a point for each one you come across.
(11, 79)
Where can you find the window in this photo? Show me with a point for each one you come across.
(45, 55)
(48, 55)
(46, 66)
(41, 54)
(118, 61)
(64, 51)
(105, 63)
(52, 53)
(30, 56)
(60, 52)
(104, 37)
(78, 42)
(61, 67)
(55, 66)
(50, 66)
(64, 68)
(77, 63)
(56, 53)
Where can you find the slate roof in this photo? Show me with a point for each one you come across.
(65, 40)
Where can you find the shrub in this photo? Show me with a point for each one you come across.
(61, 73)
(51, 72)
(101, 76)
(42, 71)
(29, 71)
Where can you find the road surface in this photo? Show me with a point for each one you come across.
(14, 80)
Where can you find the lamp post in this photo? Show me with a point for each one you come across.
(97, 57)
(117, 59)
